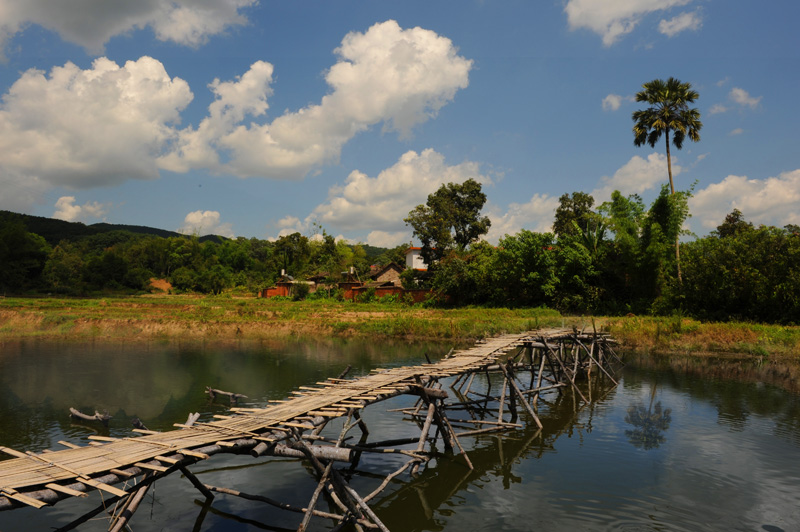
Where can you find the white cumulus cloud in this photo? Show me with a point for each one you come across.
(636, 176)
(770, 201)
(67, 210)
(91, 23)
(20, 192)
(235, 100)
(84, 128)
(743, 98)
(612, 102)
(379, 204)
(612, 19)
(386, 75)
(387, 239)
(717, 108)
(683, 22)
(205, 223)
(535, 215)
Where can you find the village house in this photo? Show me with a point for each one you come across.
(414, 259)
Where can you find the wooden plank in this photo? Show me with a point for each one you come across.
(330, 398)
(12, 452)
(152, 467)
(68, 444)
(66, 490)
(13, 494)
(104, 487)
(187, 452)
(102, 438)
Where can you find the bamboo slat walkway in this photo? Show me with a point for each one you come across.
(332, 398)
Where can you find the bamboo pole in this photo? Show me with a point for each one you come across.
(574, 386)
(522, 399)
(313, 502)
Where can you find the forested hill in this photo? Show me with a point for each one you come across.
(54, 231)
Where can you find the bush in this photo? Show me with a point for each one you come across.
(300, 291)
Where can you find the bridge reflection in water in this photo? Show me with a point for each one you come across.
(530, 368)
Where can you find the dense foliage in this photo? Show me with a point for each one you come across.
(450, 219)
(616, 259)
(620, 259)
(87, 262)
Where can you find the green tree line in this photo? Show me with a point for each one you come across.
(90, 262)
(617, 259)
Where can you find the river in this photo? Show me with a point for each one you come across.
(672, 447)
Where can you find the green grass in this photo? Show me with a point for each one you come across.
(686, 335)
(183, 316)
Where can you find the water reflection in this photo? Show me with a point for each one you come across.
(580, 473)
(161, 383)
(649, 425)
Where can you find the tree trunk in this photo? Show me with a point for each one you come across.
(669, 164)
(672, 189)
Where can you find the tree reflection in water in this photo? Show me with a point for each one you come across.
(649, 424)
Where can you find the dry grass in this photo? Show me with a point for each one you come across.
(228, 318)
(678, 334)
(170, 316)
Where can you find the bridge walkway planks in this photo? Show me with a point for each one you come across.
(333, 398)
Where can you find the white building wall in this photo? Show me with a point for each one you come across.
(414, 259)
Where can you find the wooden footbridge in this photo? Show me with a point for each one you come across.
(532, 364)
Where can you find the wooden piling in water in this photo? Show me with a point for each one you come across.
(556, 360)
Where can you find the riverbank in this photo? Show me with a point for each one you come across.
(219, 318)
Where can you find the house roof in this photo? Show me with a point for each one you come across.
(391, 266)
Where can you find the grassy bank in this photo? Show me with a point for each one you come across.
(177, 317)
(678, 334)
(223, 317)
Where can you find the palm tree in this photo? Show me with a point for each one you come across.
(668, 112)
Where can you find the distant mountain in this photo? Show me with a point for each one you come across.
(55, 231)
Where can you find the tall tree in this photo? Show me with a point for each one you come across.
(574, 209)
(669, 112)
(450, 219)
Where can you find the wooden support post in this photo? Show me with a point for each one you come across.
(423, 437)
(566, 373)
(334, 488)
(469, 383)
(233, 397)
(458, 443)
(502, 400)
(361, 424)
(345, 372)
(192, 419)
(102, 418)
(272, 502)
(389, 479)
(522, 399)
(313, 502)
(539, 379)
(195, 482)
(598, 364)
(134, 500)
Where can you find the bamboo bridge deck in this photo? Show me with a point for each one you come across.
(39, 479)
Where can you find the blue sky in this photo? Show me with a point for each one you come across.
(260, 118)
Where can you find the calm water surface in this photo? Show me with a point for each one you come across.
(667, 449)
